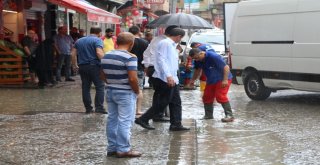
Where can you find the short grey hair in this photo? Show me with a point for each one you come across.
(194, 51)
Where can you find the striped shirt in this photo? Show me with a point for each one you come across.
(115, 65)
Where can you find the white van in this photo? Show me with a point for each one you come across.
(212, 37)
(275, 44)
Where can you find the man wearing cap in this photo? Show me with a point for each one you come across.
(218, 80)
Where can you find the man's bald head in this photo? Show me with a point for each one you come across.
(125, 38)
(125, 41)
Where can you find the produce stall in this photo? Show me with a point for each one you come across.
(13, 66)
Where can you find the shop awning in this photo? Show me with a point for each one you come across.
(94, 14)
(150, 14)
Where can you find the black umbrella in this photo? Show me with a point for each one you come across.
(185, 21)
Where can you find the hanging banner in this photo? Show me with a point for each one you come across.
(154, 1)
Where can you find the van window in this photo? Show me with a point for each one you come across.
(208, 39)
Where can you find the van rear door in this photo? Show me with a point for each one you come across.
(306, 50)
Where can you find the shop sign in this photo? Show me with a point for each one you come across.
(154, 1)
(103, 19)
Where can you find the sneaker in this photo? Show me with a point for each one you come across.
(227, 119)
(144, 124)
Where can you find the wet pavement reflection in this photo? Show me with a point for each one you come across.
(48, 126)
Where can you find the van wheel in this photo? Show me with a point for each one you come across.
(255, 88)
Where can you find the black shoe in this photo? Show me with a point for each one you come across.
(41, 87)
(102, 112)
(178, 128)
(58, 80)
(70, 79)
(144, 124)
(129, 154)
(89, 111)
(54, 83)
(162, 119)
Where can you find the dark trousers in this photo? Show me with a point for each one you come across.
(160, 112)
(66, 59)
(41, 77)
(90, 74)
(162, 97)
(150, 71)
(44, 76)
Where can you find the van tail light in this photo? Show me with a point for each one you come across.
(235, 74)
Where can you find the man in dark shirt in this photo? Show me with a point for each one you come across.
(140, 45)
(74, 34)
(148, 37)
(29, 46)
(44, 60)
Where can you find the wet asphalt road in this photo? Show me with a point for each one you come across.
(42, 127)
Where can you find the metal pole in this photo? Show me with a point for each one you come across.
(68, 23)
(1, 20)
(189, 12)
(173, 6)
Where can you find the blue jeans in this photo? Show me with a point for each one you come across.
(90, 74)
(121, 114)
(66, 59)
(140, 79)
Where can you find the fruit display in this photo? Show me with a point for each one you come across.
(12, 46)
(13, 68)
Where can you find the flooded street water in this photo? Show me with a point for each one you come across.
(280, 130)
(49, 127)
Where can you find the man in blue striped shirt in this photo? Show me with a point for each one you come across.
(120, 71)
(166, 82)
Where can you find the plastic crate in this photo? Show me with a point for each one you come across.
(13, 68)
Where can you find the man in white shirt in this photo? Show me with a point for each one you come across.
(149, 53)
(148, 61)
(166, 83)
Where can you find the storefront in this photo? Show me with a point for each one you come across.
(16, 16)
(19, 15)
(135, 12)
(82, 15)
(44, 17)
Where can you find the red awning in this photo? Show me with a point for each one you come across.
(94, 14)
(151, 14)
